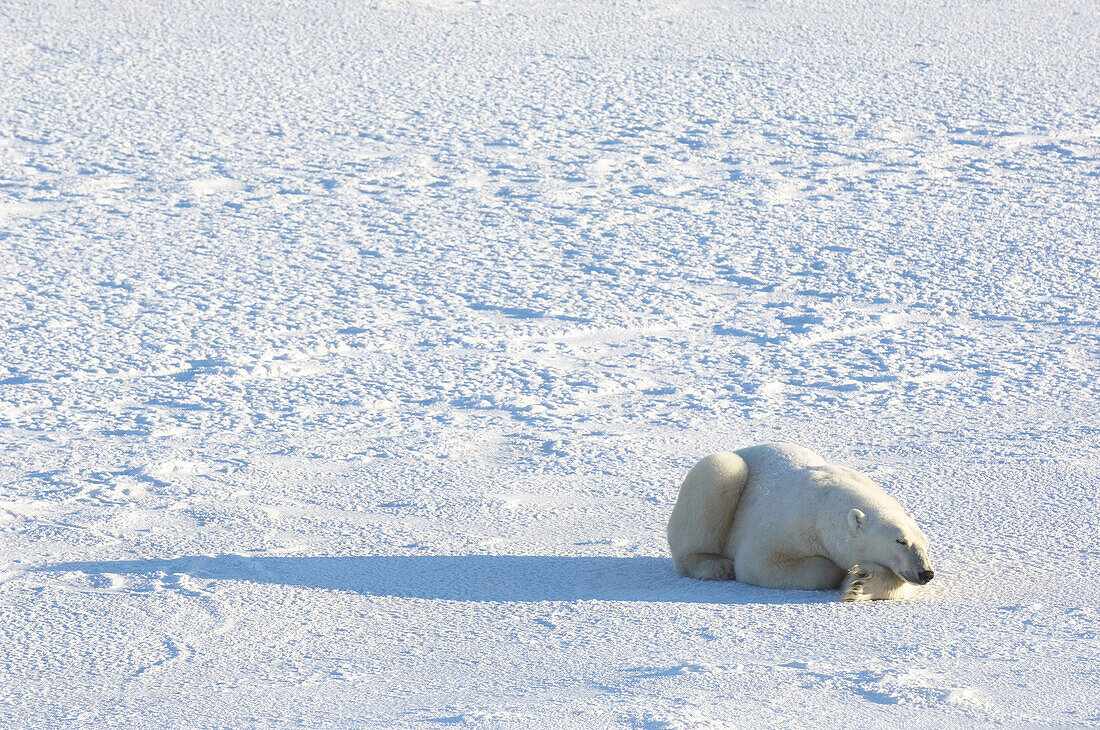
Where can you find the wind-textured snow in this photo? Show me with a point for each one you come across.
(353, 353)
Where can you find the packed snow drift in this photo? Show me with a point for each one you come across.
(353, 353)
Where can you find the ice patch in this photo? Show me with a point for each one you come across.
(214, 186)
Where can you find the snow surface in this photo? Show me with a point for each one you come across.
(353, 353)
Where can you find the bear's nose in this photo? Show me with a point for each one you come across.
(924, 576)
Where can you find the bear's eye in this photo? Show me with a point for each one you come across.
(902, 542)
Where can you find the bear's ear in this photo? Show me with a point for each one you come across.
(856, 519)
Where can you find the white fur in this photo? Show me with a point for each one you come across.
(778, 516)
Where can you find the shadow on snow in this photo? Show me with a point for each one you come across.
(504, 578)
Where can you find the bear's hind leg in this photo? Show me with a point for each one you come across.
(700, 522)
(706, 566)
(873, 582)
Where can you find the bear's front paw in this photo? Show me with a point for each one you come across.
(855, 584)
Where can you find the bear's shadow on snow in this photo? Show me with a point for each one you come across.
(503, 578)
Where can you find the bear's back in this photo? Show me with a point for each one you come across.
(779, 495)
(779, 458)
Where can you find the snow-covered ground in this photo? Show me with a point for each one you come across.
(353, 353)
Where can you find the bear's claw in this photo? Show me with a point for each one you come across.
(854, 585)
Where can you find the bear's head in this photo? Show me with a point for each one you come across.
(891, 539)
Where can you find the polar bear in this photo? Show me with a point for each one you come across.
(776, 515)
